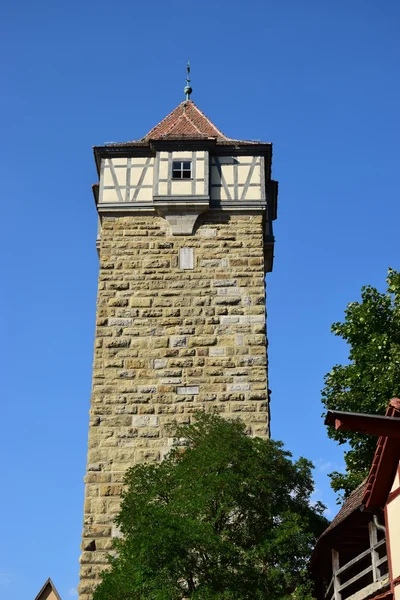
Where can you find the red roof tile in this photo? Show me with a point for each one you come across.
(349, 508)
(353, 502)
(185, 120)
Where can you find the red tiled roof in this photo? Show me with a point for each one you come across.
(186, 120)
(353, 502)
(349, 508)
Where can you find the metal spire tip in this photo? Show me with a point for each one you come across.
(188, 90)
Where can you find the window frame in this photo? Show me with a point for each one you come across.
(182, 170)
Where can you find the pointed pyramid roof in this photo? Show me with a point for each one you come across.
(185, 121)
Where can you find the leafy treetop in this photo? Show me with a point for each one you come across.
(371, 378)
(225, 517)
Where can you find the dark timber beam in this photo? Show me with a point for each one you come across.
(363, 423)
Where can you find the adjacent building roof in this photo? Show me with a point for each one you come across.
(48, 592)
(387, 453)
(373, 492)
(353, 502)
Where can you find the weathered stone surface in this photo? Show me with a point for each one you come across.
(189, 390)
(169, 341)
(178, 341)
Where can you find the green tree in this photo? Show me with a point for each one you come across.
(372, 376)
(227, 517)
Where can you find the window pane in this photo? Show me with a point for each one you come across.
(181, 169)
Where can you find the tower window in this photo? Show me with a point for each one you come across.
(181, 169)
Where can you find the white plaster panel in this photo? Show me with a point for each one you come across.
(243, 171)
(109, 196)
(256, 177)
(143, 161)
(393, 518)
(135, 176)
(163, 188)
(145, 195)
(148, 178)
(164, 155)
(253, 193)
(201, 154)
(163, 169)
(181, 188)
(119, 162)
(120, 175)
(227, 172)
(107, 177)
(200, 188)
(181, 155)
(200, 169)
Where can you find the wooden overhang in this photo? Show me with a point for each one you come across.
(363, 423)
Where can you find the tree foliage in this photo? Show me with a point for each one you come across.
(372, 376)
(227, 517)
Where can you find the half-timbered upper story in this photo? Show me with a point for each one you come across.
(184, 166)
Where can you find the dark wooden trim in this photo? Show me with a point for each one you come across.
(388, 595)
(371, 424)
(393, 495)
(95, 190)
(182, 144)
(386, 471)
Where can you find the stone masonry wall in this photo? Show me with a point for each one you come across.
(169, 341)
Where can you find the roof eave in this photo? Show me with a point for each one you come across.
(364, 423)
(193, 143)
(387, 453)
(125, 149)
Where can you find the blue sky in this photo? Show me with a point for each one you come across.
(319, 79)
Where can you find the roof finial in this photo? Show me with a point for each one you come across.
(188, 90)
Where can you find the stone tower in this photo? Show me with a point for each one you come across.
(185, 239)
